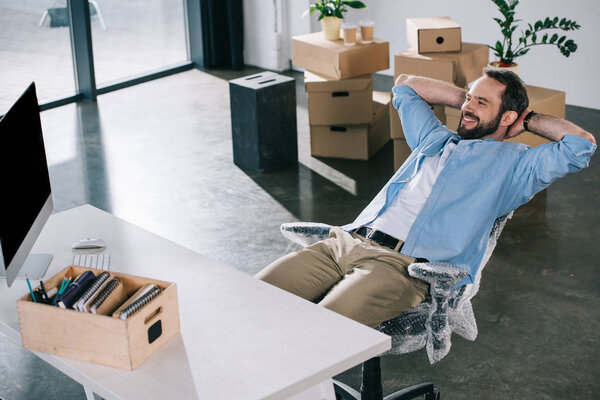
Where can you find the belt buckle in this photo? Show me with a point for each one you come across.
(370, 232)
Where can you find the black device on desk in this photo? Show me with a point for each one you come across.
(25, 194)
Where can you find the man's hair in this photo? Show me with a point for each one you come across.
(514, 97)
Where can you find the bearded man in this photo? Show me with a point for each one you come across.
(442, 202)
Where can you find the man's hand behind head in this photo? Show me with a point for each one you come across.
(517, 127)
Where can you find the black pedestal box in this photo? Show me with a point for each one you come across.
(263, 121)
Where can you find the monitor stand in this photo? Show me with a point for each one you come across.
(35, 267)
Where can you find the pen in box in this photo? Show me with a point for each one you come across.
(30, 289)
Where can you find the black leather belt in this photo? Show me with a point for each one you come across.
(379, 237)
(383, 239)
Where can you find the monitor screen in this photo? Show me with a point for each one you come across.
(24, 179)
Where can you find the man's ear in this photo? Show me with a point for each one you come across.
(508, 118)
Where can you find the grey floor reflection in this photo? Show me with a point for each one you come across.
(78, 168)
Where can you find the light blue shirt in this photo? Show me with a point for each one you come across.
(481, 181)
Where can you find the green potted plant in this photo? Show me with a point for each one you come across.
(332, 14)
(534, 35)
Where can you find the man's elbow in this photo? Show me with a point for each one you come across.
(590, 137)
(584, 134)
(403, 79)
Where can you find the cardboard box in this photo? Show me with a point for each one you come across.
(457, 68)
(396, 131)
(355, 142)
(401, 152)
(433, 35)
(336, 61)
(543, 101)
(100, 339)
(345, 102)
(451, 118)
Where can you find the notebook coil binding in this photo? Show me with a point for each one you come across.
(139, 303)
(100, 279)
(103, 295)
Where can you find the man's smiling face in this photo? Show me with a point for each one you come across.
(481, 112)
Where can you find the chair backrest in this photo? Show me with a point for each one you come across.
(466, 292)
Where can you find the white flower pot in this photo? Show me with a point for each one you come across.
(331, 27)
(513, 67)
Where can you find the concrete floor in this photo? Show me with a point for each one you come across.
(159, 155)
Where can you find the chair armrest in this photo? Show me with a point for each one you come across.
(438, 274)
(441, 278)
(305, 233)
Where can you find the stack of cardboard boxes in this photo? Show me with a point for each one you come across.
(438, 52)
(347, 118)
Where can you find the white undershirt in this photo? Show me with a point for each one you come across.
(397, 219)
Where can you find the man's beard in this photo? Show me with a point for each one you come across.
(482, 129)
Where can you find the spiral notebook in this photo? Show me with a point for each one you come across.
(109, 298)
(143, 296)
(94, 288)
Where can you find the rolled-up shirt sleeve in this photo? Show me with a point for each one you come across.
(415, 113)
(538, 167)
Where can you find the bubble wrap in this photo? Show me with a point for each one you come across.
(305, 233)
(432, 322)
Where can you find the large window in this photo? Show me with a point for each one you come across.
(131, 41)
(139, 36)
(29, 52)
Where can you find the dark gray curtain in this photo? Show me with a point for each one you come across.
(223, 33)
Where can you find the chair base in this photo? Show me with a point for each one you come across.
(372, 389)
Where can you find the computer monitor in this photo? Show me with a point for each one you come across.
(25, 195)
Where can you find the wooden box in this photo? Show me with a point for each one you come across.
(100, 339)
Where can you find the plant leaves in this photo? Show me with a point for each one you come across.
(354, 4)
(562, 39)
(554, 38)
(545, 38)
(499, 46)
(501, 4)
(547, 23)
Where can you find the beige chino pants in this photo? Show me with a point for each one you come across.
(350, 275)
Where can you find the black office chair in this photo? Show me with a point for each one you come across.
(428, 325)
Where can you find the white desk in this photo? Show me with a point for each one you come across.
(240, 338)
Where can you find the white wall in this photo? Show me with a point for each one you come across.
(578, 75)
(268, 27)
(266, 34)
